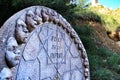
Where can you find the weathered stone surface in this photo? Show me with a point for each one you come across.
(49, 47)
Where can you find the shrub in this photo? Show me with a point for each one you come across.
(104, 64)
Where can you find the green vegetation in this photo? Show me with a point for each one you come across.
(110, 18)
(104, 64)
(10, 7)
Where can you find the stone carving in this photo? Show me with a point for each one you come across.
(30, 20)
(12, 53)
(38, 16)
(12, 56)
(6, 74)
(45, 15)
(21, 31)
(50, 48)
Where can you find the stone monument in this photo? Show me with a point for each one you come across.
(37, 43)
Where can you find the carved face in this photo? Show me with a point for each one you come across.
(6, 74)
(30, 20)
(12, 52)
(21, 31)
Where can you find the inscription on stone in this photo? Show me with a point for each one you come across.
(49, 47)
(56, 47)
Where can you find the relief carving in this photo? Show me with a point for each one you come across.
(38, 16)
(30, 20)
(12, 53)
(58, 56)
(12, 56)
(21, 31)
(45, 15)
(6, 74)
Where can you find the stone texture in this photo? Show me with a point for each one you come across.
(50, 48)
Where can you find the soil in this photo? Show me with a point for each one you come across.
(100, 36)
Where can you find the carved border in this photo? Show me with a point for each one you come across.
(49, 15)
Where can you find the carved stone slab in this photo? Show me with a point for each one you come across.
(49, 47)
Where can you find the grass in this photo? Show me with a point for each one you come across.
(104, 64)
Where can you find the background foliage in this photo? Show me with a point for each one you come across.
(110, 18)
(9, 7)
(104, 64)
